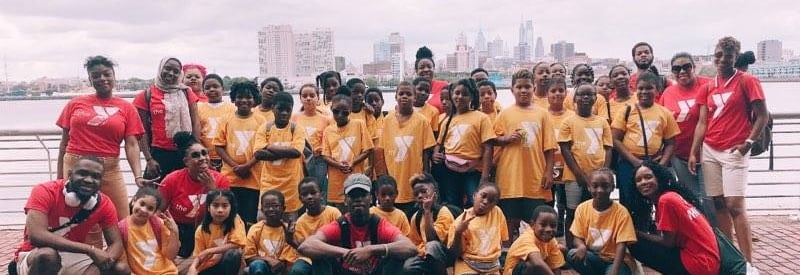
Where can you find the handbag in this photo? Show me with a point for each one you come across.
(484, 267)
(458, 164)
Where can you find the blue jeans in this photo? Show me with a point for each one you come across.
(593, 264)
(696, 184)
(453, 186)
(301, 267)
(259, 267)
(230, 264)
(640, 208)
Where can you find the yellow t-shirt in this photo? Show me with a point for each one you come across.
(283, 174)
(268, 116)
(528, 243)
(520, 168)
(368, 119)
(396, 218)
(541, 102)
(558, 159)
(441, 225)
(618, 108)
(204, 240)
(659, 123)
(380, 124)
(602, 231)
(589, 137)
(344, 144)
(266, 241)
(481, 241)
(236, 134)
(313, 126)
(599, 108)
(430, 113)
(211, 116)
(403, 145)
(467, 133)
(142, 250)
(325, 109)
(307, 225)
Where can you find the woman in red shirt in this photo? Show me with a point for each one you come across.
(680, 101)
(194, 74)
(424, 66)
(166, 108)
(95, 125)
(184, 190)
(733, 112)
(687, 244)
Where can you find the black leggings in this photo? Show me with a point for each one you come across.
(248, 204)
(656, 256)
(186, 236)
(231, 263)
(168, 160)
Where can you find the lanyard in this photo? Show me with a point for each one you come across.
(716, 79)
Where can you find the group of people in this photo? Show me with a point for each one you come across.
(447, 178)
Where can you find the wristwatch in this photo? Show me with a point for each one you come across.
(749, 142)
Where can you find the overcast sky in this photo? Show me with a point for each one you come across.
(53, 39)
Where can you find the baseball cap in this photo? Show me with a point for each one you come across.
(357, 181)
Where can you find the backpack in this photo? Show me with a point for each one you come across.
(155, 224)
(763, 142)
(454, 210)
(148, 94)
(344, 228)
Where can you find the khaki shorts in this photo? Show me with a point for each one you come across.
(725, 173)
(71, 263)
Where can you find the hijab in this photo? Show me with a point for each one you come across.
(176, 104)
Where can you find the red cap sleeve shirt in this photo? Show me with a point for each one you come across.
(359, 237)
(158, 115)
(693, 234)
(436, 93)
(728, 115)
(682, 103)
(49, 199)
(98, 126)
(185, 198)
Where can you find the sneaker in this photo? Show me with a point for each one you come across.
(751, 270)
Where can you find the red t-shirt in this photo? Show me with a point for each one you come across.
(436, 92)
(681, 102)
(728, 114)
(49, 199)
(185, 199)
(200, 96)
(98, 126)
(693, 234)
(158, 115)
(359, 237)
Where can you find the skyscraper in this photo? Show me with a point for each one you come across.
(769, 51)
(340, 63)
(380, 51)
(539, 51)
(314, 52)
(529, 38)
(276, 51)
(462, 54)
(562, 50)
(397, 56)
(480, 41)
(496, 47)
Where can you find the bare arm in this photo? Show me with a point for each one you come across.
(535, 265)
(361, 157)
(39, 236)
(669, 149)
(569, 158)
(607, 161)
(666, 238)
(486, 160)
(762, 116)
(62, 150)
(114, 240)
(195, 120)
(426, 160)
(132, 154)
(316, 247)
(620, 147)
(548, 168)
(223, 154)
(619, 257)
(697, 140)
(284, 151)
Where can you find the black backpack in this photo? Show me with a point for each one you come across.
(762, 142)
(344, 228)
(455, 210)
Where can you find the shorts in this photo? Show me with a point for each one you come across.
(519, 208)
(71, 263)
(724, 173)
(574, 194)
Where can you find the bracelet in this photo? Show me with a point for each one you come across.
(138, 177)
(385, 250)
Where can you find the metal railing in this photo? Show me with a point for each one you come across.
(775, 185)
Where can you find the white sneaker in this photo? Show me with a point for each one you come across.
(751, 270)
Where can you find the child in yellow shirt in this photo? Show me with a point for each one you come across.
(374, 98)
(234, 145)
(280, 146)
(557, 113)
(269, 87)
(361, 111)
(603, 230)
(488, 94)
(211, 114)
(429, 228)
(386, 194)
(476, 238)
(422, 91)
(145, 251)
(536, 250)
(270, 247)
(314, 124)
(317, 214)
(220, 238)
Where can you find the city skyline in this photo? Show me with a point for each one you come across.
(53, 40)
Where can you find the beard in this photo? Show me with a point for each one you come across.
(643, 66)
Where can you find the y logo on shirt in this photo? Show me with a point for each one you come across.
(280, 143)
(594, 140)
(195, 200)
(346, 147)
(531, 130)
(648, 131)
(310, 131)
(685, 106)
(148, 248)
(270, 247)
(403, 144)
(101, 115)
(599, 238)
(720, 100)
(243, 138)
(456, 133)
(213, 125)
(485, 235)
(63, 231)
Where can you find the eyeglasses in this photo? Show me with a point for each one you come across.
(199, 154)
(686, 67)
(341, 112)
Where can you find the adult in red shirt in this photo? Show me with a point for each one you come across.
(54, 243)
(360, 256)
(733, 112)
(680, 99)
(193, 76)
(687, 244)
(171, 108)
(642, 54)
(424, 66)
(185, 190)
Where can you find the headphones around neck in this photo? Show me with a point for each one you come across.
(72, 199)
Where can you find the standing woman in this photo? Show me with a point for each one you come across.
(680, 101)
(194, 76)
(733, 113)
(95, 125)
(424, 66)
(166, 108)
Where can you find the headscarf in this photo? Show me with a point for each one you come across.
(199, 67)
(175, 102)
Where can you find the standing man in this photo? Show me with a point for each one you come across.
(642, 54)
(358, 242)
(59, 216)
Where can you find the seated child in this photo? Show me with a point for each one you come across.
(220, 238)
(269, 243)
(429, 227)
(149, 236)
(316, 215)
(476, 238)
(536, 250)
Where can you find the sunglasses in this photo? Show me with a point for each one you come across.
(341, 112)
(686, 67)
(199, 154)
